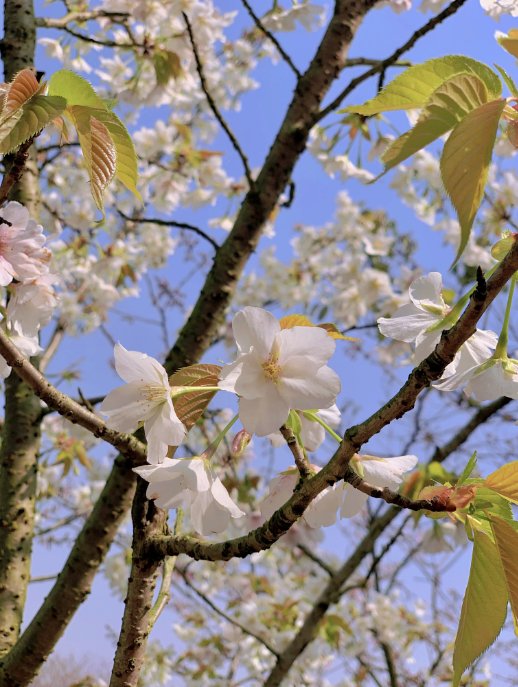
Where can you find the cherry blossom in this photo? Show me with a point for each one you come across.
(321, 512)
(378, 472)
(191, 483)
(422, 320)
(22, 255)
(144, 399)
(278, 370)
(488, 381)
(31, 304)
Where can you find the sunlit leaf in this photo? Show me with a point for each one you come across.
(33, 117)
(98, 150)
(447, 106)
(506, 538)
(505, 481)
(508, 80)
(20, 90)
(75, 89)
(465, 162)
(484, 607)
(167, 65)
(412, 88)
(509, 42)
(466, 473)
(190, 407)
(500, 249)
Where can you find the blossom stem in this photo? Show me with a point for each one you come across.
(315, 418)
(503, 339)
(209, 452)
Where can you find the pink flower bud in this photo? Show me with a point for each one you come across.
(240, 442)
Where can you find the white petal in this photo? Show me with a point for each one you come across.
(492, 383)
(353, 502)
(165, 425)
(166, 497)
(406, 323)
(252, 381)
(321, 512)
(221, 495)
(318, 391)
(425, 344)
(133, 366)
(312, 344)
(426, 291)
(263, 415)
(312, 434)
(211, 510)
(280, 490)
(386, 472)
(126, 408)
(255, 328)
(230, 374)
(187, 473)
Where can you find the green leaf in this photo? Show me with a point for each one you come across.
(484, 607)
(468, 469)
(413, 87)
(167, 64)
(447, 106)
(33, 117)
(126, 164)
(190, 407)
(505, 481)
(509, 42)
(508, 80)
(506, 538)
(98, 150)
(465, 163)
(20, 90)
(75, 89)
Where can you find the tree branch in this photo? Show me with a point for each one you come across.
(213, 106)
(392, 59)
(419, 379)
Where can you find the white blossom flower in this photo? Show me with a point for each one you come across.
(22, 255)
(312, 433)
(378, 472)
(27, 345)
(31, 305)
(416, 323)
(487, 381)
(191, 483)
(144, 399)
(321, 512)
(278, 370)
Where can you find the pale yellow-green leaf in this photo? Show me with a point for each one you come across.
(500, 249)
(506, 539)
(30, 120)
(190, 407)
(505, 481)
(509, 42)
(98, 150)
(447, 106)
(484, 607)
(75, 89)
(465, 162)
(126, 166)
(412, 88)
(167, 65)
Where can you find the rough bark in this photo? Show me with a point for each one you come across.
(21, 431)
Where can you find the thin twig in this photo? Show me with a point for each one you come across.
(79, 18)
(272, 38)
(170, 223)
(299, 456)
(212, 103)
(387, 62)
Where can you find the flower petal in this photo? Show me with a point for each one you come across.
(312, 344)
(353, 502)
(426, 291)
(133, 366)
(406, 323)
(163, 428)
(126, 407)
(263, 415)
(386, 472)
(321, 512)
(318, 391)
(255, 328)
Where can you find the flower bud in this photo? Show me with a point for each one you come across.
(240, 443)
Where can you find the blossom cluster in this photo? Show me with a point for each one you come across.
(24, 274)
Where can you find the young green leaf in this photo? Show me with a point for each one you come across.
(33, 117)
(75, 89)
(466, 473)
(465, 162)
(506, 539)
(508, 80)
(509, 42)
(21, 89)
(505, 481)
(413, 87)
(167, 65)
(98, 150)
(484, 607)
(447, 106)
